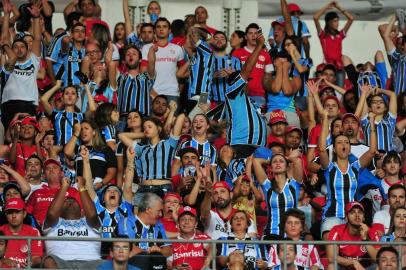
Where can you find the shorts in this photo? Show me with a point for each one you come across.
(329, 223)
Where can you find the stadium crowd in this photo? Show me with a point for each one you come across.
(177, 130)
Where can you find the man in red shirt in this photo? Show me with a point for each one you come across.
(262, 70)
(190, 255)
(41, 199)
(352, 256)
(172, 202)
(278, 124)
(23, 143)
(16, 251)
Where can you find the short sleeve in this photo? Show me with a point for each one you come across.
(266, 186)
(313, 137)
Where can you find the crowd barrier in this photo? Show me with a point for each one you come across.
(214, 243)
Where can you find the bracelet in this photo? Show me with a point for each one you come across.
(76, 136)
(82, 189)
(35, 17)
(373, 130)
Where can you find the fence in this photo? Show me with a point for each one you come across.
(213, 244)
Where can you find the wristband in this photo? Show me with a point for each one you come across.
(35, 17)
(76, 136)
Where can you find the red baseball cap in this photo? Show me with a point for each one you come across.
(30, 121)
(294, 7)
(353, 204)
(277, 116)
(51, 161)
(289, 129)
(173, 194)
(15, 204)
(187, 209)
(348, 115)
(331, 97)
(221, 184)
(100, 99)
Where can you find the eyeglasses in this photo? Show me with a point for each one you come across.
(117, 248)
(92, 52)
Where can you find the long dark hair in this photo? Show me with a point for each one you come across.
(162, 134)
(240, 34)
(115, 39)
(102, 34)
(392, 220)
(103, 115)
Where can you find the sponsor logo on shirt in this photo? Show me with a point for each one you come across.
(193, 253)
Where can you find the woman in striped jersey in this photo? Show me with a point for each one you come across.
(341, 176)
(156, 156)
(282, 190)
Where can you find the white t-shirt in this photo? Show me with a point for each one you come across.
(167, 59)
(217, 227)
(22, 83)
(73, 250)
(383, 217)
(375, 195)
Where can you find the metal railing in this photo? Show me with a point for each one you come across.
(213, 244)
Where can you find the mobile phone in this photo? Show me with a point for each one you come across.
(203, 98)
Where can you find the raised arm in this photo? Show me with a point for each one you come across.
(253, 58)
(127, 138)
(259, 171)
(367, 157)
(288, 20)
(362, 107)
(92, 104)
(324, 159)
(386, 35)
(46, 8)
(127, 21)
(113, 75)
(36, 28)
(47, 96)
(314, 89)
(297, 165)
(317, 15)
(393, 105)
(151, 60)
(70, 8)
(55, 209)
(129, 175)
(21, 181)
(348, 15)
(69, 148)
(177, 128)
(87, 172)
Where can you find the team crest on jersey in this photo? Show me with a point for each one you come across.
(24, 248)
(196, 245)
(363, 248)
(261, 58)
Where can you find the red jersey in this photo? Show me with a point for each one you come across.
(332, 46)
(17, 249)
(169, 225)
(193, 254)
(306, 257)
(340, 233)
(264, 64)
(23, 152)
(41, 199)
